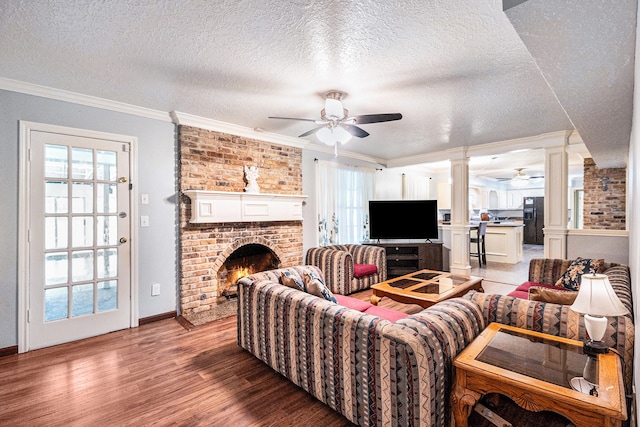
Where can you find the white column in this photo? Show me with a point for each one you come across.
(556, 215)
(459, 259)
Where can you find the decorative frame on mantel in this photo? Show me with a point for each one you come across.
(228, 206)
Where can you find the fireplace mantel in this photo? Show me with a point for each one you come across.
(227, 206)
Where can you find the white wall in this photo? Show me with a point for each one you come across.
(633, 201)
(610, 248)
(157, 171)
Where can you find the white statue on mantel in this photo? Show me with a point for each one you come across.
(251, 174)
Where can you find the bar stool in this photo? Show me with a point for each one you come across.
(481, 251)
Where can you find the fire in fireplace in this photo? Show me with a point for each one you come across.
(246, 260)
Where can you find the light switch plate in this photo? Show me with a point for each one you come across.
(144, 221)
(144, 199)
(155, 289)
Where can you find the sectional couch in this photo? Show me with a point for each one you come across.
(378, 372)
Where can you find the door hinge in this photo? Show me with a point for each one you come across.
(126, 148)
(28, 316)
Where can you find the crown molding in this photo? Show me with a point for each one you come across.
(78, 98)
(185, 119)
(552, 139)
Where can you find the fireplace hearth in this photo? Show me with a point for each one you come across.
(246, 260)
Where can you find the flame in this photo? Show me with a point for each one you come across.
(238, 274)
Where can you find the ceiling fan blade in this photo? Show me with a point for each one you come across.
(377, 118)
(356, 131)
(310, 132)
(293, 118)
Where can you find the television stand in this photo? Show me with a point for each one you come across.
(405, 258)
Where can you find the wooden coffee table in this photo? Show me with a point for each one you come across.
(536, 371)
(425, 287)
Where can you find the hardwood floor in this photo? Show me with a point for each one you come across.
(157, 374)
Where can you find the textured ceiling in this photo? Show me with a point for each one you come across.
(457, 70)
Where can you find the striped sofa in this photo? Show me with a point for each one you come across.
(374, 372)
(378, 373)
(337, 265)
(560, 320)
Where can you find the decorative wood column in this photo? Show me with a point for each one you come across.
(556, 214)
(459, 260)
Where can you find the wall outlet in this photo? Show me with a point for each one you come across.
(155, 289)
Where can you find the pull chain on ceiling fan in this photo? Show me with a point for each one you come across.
(335, 123)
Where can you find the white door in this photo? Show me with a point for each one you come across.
(79, 253)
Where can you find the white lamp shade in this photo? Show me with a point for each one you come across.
(330, 136)
(597, 298)
(341, 134)
(326, 136)
(333, 108)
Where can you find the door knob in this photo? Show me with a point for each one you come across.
(123, 240)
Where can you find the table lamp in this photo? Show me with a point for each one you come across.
(596, 300)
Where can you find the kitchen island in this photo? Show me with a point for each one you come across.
(503, 241)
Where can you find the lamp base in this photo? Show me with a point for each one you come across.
(595, 347)
(583, 386)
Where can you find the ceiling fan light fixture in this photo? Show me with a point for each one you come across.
(519, 182)
(333, 109)
(520, 179)
(326, 136)
(341, 135)
(331, 136)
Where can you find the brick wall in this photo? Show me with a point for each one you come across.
(604, 209)
(215, 161)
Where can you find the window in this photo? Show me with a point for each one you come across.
(343, 202)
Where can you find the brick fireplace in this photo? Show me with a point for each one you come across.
(210, 252)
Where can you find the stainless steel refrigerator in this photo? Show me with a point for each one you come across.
(533, 218)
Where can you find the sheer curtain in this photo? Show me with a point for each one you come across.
(415, 187)
(343, 194)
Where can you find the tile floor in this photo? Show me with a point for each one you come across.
(501, 278)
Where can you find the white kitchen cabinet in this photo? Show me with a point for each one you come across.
(444, 195)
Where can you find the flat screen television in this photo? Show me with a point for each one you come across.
(403, 219)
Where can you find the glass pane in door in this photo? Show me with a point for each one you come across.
(82, 266)
(107, 230)
(107, 198)
(56, 162)
(106, 168)
(82, 299)
(107, 295)
(107, 263)
(56, 232)
(56, 304)
(56, 268)
(82, 197)
(82, 163)
(82, 232)
(56, 197)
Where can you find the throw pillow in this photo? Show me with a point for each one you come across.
(554, 296)
(571, 278)
(315, 286)
(287, 279)
(361, 270)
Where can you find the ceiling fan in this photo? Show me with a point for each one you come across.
(520, 179)
(335, 124)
